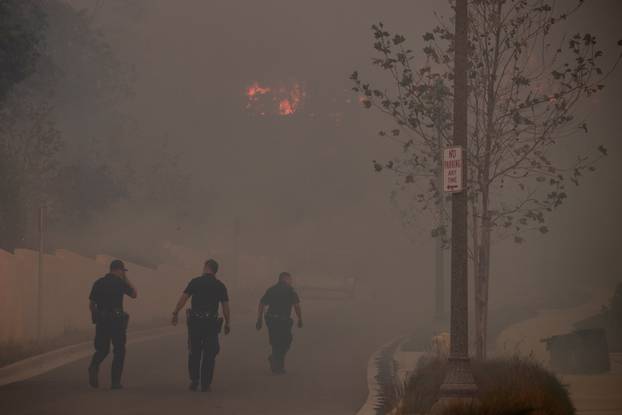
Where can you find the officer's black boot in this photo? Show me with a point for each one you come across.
(115, 374)
(118, 357)
(194, 365)
(280, 369)
(277, 363)
(98, 357)
(207, 371)
(93, 376)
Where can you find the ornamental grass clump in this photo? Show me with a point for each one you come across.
(516, 386)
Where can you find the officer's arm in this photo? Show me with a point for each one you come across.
(93, 310)
(263, 302)
(298, 312)
(226, 312)
(92, 297)
(260, 310)
(131, 292)
(92, 304)
(180, 304)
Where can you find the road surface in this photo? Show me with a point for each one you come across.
(326, 373)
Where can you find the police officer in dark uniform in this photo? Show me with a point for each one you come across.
(280, 298)
(204, 324)
(106, 305)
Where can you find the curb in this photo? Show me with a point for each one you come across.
(381, 373)
(39, 364)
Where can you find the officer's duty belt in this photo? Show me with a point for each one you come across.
(199, 314)
(111, 314)
(278, 317)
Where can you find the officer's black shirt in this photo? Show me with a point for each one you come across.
(108, 292)
(280, 298)
(207, 292)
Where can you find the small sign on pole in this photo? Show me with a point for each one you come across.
(453, 170)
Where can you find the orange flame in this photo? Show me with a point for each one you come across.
(290, 104)
(282, 100)
(253, 93)
(255, 90)
(285, 107)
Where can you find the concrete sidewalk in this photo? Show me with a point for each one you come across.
(37, 365)
(598, 394)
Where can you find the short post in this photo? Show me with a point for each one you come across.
(42, 231)
(236, 253)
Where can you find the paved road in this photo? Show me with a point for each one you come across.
(326, 374)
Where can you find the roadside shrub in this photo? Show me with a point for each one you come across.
(421, 389)
(515, 386)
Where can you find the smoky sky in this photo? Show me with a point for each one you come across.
(307, 184)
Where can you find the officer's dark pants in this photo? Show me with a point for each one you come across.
(280, 332)
(111, 330)
(203, 347)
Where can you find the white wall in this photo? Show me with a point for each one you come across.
(67, 282)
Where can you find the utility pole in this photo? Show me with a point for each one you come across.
(459, 382)
(42, 231)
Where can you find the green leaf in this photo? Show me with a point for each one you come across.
(397, 39)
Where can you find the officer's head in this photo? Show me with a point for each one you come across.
(210, 267)
(286, 278)
(117, 267)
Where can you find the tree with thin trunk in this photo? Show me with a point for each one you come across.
(22, 28)
(528, 83)
(29, 143)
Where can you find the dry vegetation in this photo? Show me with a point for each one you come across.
(507, 387)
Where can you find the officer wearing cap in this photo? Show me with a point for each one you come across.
(204, 324)
(106, 305)
(280, 299)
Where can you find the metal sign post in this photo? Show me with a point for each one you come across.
(42, 231)
(236, 252)
(459, 383)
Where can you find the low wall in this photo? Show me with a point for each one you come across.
(67, 281)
